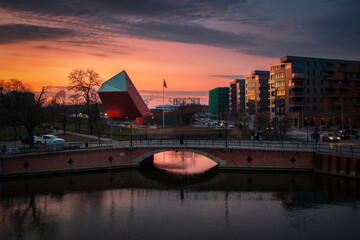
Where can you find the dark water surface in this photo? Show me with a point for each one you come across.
(152, 204)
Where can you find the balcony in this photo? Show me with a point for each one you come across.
(299, 75)
(297, 85)
(293, 103)
(297, 94)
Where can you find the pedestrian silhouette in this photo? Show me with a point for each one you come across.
(181, 139)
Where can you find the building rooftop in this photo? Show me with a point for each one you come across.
(296, 58)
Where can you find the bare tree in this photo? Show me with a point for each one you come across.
(59, 102)
(76, 101)
(22, 107)
(17, 85)
(84, 82)
(11, 103)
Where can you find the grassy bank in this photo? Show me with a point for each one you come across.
(74, 138)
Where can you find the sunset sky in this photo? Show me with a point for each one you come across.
(195, 45)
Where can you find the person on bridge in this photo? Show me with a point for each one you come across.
(181, 139)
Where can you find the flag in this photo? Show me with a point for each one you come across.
(164, 83)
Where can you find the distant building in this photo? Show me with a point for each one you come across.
(315, 90)
(257, 92)
(167, 108)
(184, 116)
(219, 102)
(185, 101)
(237, 97)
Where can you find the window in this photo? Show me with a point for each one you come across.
(313, 82)
(329, 65)
(313, 73)
(344, 91)
(314, 100)
(314, 90)
(344, 66)
(297, 67)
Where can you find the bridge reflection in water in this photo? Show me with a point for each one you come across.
(146, 204)
(183, 162)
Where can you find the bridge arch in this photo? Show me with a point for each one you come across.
(138, 160)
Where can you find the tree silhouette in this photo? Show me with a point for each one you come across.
(84, 82)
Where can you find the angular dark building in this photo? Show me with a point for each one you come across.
(121, 100)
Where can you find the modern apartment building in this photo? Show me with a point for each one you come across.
(237, 97)
(307, 90)
(219, 102)
(277, 90)
(257, 92)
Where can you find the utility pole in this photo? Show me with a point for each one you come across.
(342, 117)
(226, 139)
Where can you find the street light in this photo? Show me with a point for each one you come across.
(226, 140)
(307, 130)
(342, 117)
(342, 114)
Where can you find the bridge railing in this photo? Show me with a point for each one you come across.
(346, 150)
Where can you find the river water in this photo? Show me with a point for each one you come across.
(155, 203)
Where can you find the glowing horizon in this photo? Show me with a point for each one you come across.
(195, 45)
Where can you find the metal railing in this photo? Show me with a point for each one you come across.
(297, 146)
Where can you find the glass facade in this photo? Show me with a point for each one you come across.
(297, 67)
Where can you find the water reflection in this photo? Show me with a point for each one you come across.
(131, 205)
(182, 162)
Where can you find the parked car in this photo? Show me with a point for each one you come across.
(330, 137)
(344, 135)
(47, 139)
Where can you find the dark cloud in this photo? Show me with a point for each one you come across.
(339, 32)
(19, 32)
(196, 34)
(247, 26)
(140, 8)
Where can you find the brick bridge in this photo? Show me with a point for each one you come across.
(275, 156)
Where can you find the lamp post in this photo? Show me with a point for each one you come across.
(307, 130)
(120, 133)
(131, 134)
(342, 117)
(226, 140)
(302, 117)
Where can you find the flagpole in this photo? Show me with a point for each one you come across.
(163, 105)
